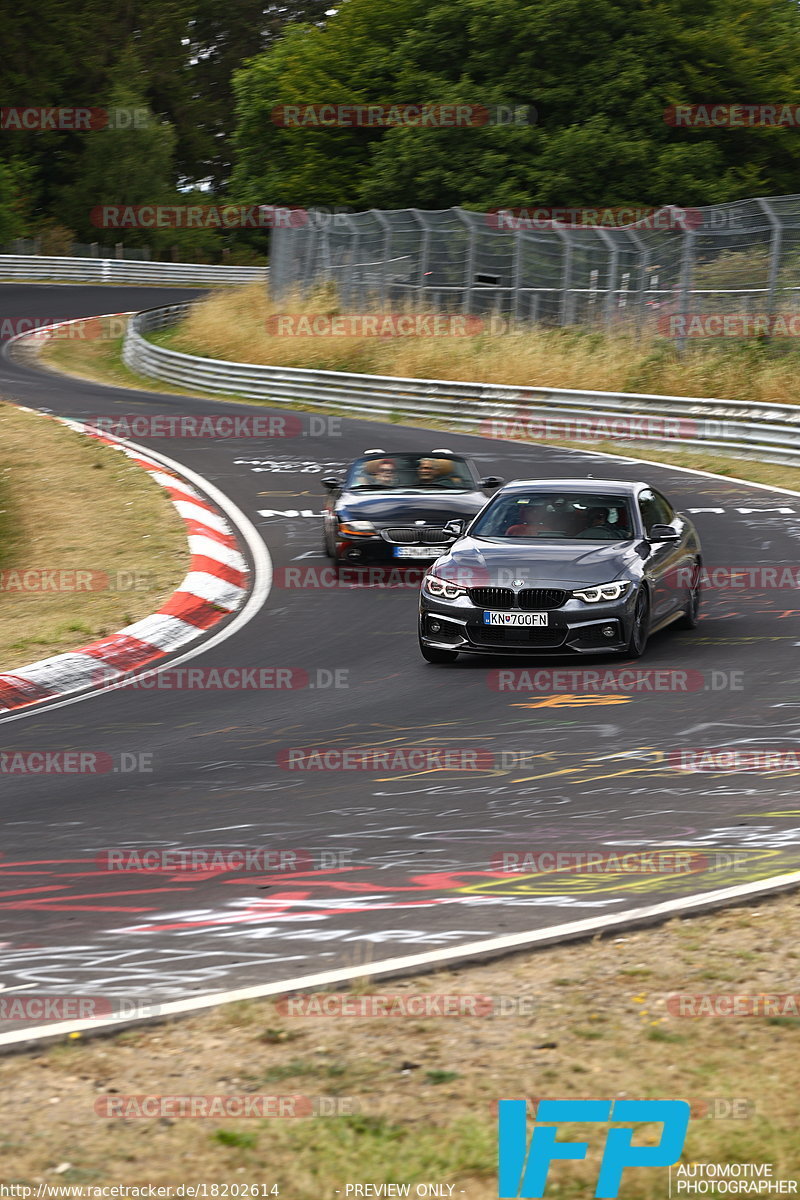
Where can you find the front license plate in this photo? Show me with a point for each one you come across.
(514, 618)
(419, 551)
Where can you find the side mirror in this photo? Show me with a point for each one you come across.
(663, 533)
(330, 483)
(455, 528)
(490, 482)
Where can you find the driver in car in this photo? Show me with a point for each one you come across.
(428, 470)
(597, 525)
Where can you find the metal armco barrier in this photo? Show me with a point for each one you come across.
(120, 270)
(770, 432)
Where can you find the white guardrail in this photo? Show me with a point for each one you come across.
(122, 270)
(769, 432)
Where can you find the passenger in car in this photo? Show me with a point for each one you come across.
(538, 523)
(380, 470)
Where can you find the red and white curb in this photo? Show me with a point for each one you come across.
(217, 585)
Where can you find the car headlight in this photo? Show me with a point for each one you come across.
(603, 591)
(435, 586)
(357, 528)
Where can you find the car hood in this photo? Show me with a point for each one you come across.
(549, 564)
(434, 507)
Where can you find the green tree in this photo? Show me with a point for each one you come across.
(599, 72)
(128, 162)
(10, 224)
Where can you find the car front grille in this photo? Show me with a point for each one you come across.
(492, 597)
(411, 535)
(519, 636)
(530, 599)
(541, 598)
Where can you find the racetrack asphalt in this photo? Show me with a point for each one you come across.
(388, 863)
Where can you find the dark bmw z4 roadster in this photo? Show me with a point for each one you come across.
(559, 566)
(394, 507)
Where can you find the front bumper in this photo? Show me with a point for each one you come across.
(576, 627)
(377, 550)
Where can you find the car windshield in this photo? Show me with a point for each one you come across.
(576, 516)
(398, 471)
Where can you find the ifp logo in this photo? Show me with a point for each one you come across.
(522, 1171)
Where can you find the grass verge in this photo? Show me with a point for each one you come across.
(233, 325)
(420, 1092)
(72, 505)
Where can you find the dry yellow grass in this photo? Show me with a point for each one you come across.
(596, 1025)
(73, 505)
(231, 325)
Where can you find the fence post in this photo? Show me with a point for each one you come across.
(385, 225)
(470, 269)
(775, 252)
(685, 284)
(517, 276)
(313, 236)
(644, 255)
(565, 315)
(608, 303)
(424, 254)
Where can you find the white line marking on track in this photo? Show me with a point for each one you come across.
(429, 958)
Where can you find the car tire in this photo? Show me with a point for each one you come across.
(691, 616)
(328, 545)
(639, 630)
(438, 657)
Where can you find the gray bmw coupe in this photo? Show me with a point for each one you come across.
(559, 566)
